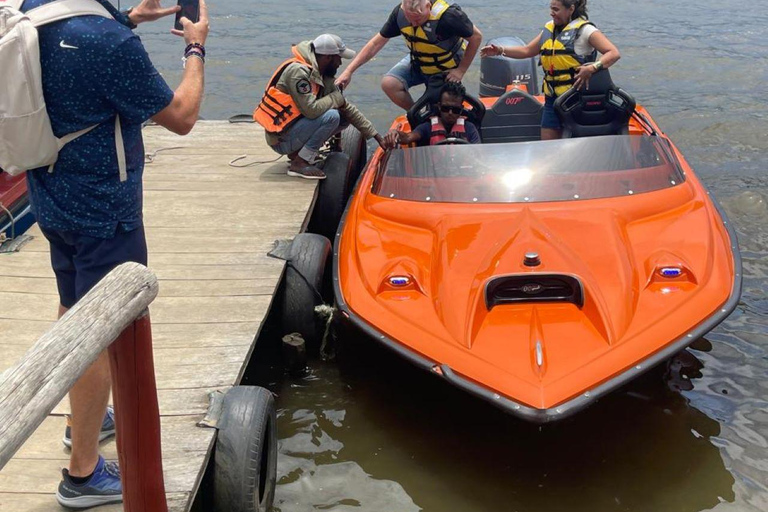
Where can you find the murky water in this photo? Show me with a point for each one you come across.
(373, 434)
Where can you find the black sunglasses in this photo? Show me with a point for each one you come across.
(455, 110)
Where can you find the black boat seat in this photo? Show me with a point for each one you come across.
(603, 109)
(514, 117)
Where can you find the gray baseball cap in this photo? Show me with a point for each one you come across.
(331, 44)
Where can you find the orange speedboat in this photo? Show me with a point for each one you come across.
(537, 275)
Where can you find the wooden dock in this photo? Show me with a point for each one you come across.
(209, 227)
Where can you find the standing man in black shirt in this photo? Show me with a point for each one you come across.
(442, 42)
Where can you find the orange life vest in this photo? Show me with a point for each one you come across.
(439, 132)
(277, 110)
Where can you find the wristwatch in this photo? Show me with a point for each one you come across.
(128, 23)
(597, 65)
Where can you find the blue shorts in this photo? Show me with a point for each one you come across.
(407, 73)
(80, 261)
(549, 117)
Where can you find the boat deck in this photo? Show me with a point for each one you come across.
(209, 227)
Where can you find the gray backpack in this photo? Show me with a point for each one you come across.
(26, 137)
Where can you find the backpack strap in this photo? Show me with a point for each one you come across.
(72, 136)
(65, 9)
(119, 146)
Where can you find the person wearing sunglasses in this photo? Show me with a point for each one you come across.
(450, 123)
(571, 48)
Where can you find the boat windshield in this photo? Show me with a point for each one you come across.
(555, 170)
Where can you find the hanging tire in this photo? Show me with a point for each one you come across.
(353, 145)
(245, 459)
(304, 287)
(331, 196)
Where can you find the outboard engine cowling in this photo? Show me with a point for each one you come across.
(498, 72)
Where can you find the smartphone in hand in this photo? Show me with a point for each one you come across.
(190, 9)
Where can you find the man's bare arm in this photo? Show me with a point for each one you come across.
(371, 48)
(181, 114)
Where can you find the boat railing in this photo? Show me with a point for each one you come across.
(112, 315)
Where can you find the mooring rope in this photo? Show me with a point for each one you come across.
(232, 163)
(150, 157)
(328, 312)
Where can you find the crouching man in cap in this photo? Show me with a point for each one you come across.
(302, 108)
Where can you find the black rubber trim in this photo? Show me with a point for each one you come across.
(575, 404)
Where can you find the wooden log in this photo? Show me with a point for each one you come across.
(32, 388)
(295, 354)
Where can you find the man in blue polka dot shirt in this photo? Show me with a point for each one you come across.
(95, 71)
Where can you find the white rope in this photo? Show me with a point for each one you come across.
(150, 157)
(13, 222)
(232, 163)
(326, 311)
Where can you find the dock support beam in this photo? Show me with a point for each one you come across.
(137, 418)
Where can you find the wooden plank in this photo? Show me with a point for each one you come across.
(180, 435)
(20, 332)
(40, 260)
(26, 332)
(176, 376)
(37, 476)
(44, 290)
(184, 240)
(28, 306)
(204, 168)
(173, 402)
(43, 287)
(16, 502)
(212, 216)
(208, 335)
(265, 268)
(205, 310)
(218, 136)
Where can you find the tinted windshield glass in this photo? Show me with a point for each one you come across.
(558, 170)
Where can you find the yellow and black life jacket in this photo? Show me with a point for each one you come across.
(277, 110)
(558, 56)
(427, 51)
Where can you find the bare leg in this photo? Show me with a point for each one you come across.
(551, 134)
(88, 399)
(396, 91)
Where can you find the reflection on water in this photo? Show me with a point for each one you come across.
(374, 434)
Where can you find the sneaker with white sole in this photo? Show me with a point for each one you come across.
(102, 488)
(107, 428)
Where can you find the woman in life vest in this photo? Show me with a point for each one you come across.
(568, 47)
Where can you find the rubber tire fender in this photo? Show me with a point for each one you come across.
(303, 282)
(331, 196)
(245, 458)
(353, 145)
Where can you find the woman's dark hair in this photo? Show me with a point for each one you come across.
(581, 8)
(455, 89)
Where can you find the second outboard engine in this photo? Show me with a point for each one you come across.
(498, 72)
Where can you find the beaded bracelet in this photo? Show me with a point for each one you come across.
(192, 53)
(195, 45)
